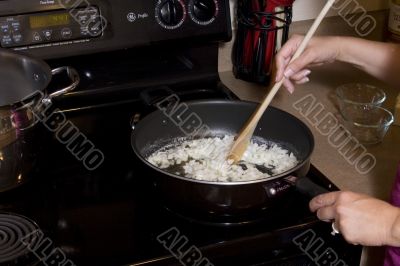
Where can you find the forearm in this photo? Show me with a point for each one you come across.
(381, 60)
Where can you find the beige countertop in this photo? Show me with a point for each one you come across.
(324, 80)
(326, 158)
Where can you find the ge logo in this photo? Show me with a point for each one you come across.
(131, 17)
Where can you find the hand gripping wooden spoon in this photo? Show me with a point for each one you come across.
(243, 138)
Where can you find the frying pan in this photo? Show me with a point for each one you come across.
(193, 197)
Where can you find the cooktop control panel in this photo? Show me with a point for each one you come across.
(60, 28)
(49, 27)
(171, 14)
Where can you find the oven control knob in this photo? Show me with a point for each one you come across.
(170, 14)
(203, 12)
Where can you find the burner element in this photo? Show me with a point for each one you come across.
(17, 235)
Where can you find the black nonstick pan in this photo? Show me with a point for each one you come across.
(191, 196)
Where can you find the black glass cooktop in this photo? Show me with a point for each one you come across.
(112, 215)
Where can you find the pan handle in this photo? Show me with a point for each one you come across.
(304, 185)
(277, 188)
(307, 187)
(134, 120)
(72, 75)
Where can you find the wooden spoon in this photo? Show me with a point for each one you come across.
(243, 138)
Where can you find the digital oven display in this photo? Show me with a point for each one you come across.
(49, 20)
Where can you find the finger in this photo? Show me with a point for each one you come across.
(288, 85)
(291, 46)
(323, 200)
(300, 63)
(300, 75)
(303, 81)
(316, 64)
(285, 54)
(326, 213)
(280, 66)
(281, 75)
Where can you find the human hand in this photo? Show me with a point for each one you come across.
(361, 219)
(320, 50)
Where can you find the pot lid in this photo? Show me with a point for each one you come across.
(21, 76)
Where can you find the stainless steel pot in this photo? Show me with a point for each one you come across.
(23, 93)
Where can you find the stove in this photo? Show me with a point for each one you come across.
(69, 214)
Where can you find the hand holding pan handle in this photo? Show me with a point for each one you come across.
(305, 186)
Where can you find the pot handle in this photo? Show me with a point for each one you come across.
(73, 76)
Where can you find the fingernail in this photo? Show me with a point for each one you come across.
(303, 81)
(288, 72)
(290, 89)
(307, 72)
